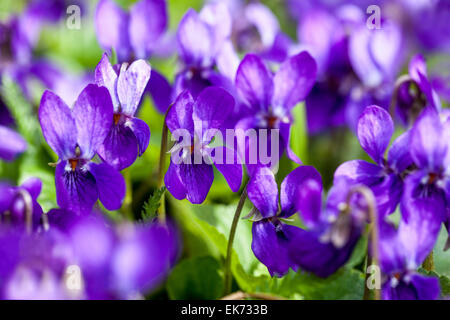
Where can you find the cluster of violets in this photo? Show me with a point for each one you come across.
(237, 70)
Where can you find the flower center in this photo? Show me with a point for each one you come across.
(116, 118)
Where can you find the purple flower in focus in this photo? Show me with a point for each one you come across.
(190, 174)
(375, 129)
(128, 136)
(75, 135)
(270, 98)
(427, 188)
(273, 240)
(401, 252)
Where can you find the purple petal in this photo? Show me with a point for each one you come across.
(375, 129)
(427, 146)
(294, 80)
(270, 246)
(227, 60)
(110, 185)
(75, 189)
(140, 260)
(11, 144)
(296, 185)
(262, 191)
(142, 133)
(120, 147)
(160, 90)
(180, 115)
(417, 65)
(173, 183)
(321, 258)
(144, 31)
(106, 76)
(197, 179)
(58, 125)
(359, 171)
(111, 24)
(254, 82)
(195, 40)
(33, 186)
(131, 85)
(212, 108)
(361, 57)
(93, 114)
(399, 157)
(418, 287)
(229, 166)
(285, 133)
(264, 20)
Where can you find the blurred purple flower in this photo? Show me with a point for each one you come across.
(128, 136)
(131, 33)
(11, 144)
(192, 176)
(357, 66)
(415, 92)
(18, 202)
(203, 43)
(75, 135)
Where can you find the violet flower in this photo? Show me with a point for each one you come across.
(385, 177)
(270, 98)
(190, 173)
(402, 251)
(427, 188)
(332, 233)
(75, 135)
(128, 137)
(272, 241)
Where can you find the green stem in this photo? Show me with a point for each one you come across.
(374, 233)
(128, 201)
(161, 167)
(234, 224)
(428, 264)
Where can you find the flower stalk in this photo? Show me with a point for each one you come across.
(234, 224)
(373, 256)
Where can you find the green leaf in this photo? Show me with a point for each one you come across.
(345, 284)
(151, 206)
(441, 257)
(201, 238)
(359, 253)
(196, 278)
(299, 132)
